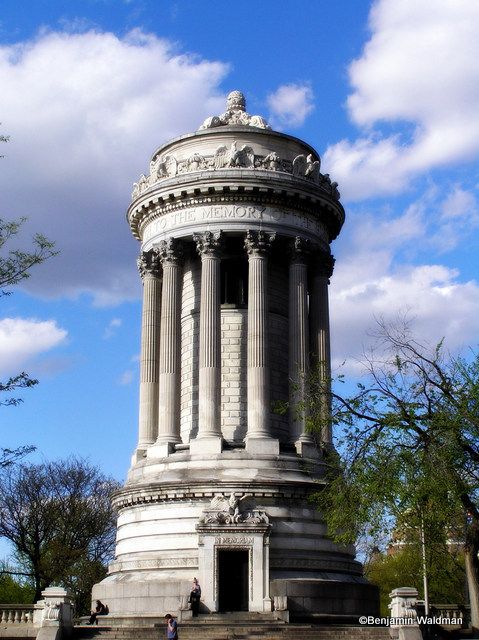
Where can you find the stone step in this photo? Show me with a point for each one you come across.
(235, 630)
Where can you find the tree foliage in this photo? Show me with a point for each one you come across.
(446, 575)
(15, 266)
(409, 444)
(12, 590)
(59, 519)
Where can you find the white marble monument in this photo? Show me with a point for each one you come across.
(235, 223)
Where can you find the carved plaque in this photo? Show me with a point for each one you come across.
(229, 214)
(234, 540)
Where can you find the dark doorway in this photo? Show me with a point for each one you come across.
(234, 282)
(233, 580)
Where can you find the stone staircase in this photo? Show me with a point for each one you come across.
(235, 626)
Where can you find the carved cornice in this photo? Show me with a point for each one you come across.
(153, 563)
(170, 251)
(133, 496)
(148, 263)
(209, 243)
(330, 213)
(258, 243)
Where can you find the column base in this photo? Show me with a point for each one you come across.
(267, 604)
(259, 446)
(307, 449)
(139, 454)
(160, 450)
(208, 444)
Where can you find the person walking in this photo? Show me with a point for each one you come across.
(171, 627)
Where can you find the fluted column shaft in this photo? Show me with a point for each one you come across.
(209, 247)
(320, 337)
(150, 271)
(298, 339)
(169, 359)
(257, 245)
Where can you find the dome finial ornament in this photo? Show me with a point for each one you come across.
(235, 114)
(236, 101)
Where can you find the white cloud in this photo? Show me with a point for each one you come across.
(441, 305)
(110, 329)
(418, 69)
(22, 340)
(460, 203)
(290, 105)
(98, 106)
(375, 277)
(126, 378)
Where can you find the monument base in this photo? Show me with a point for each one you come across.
(316, 597)
(143, 599)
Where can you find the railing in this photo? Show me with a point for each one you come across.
(452, 611)
(16, 613)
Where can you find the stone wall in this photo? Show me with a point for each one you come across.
(233, 373)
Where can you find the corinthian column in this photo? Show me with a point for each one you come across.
(298, 343)
(150, 271)
(170, 254)
(209, 381)
(320, 338)
(258, 437)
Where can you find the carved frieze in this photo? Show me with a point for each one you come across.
(232, 511)
(232, 542)
(141, 186)
(156, 563)
(235, 157)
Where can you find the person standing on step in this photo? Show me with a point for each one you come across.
(195, 596)
(171, 627)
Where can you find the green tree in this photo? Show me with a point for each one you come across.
(13, 591)
(404, 568)
(409, 448)
(15, 266)
(59, 519)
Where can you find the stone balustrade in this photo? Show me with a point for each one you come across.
(16, 614)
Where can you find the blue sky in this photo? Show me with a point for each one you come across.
(387, 92)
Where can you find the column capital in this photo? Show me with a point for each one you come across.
(258, 242)
(299, 250)
(209, 243)
(170, 251)
(148, 263)
(324, 264)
